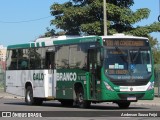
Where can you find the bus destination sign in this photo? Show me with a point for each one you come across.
(125, 43)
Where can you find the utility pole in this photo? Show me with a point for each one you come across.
(159, 12)
(104, 17)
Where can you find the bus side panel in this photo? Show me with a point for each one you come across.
(64, 90)
(42, 83)
(13, 85)
(37, 79)
(40, 80)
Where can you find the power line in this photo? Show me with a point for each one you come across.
(25, 21)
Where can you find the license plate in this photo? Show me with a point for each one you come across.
(131, 98)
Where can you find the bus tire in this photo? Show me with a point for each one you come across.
(29, 96)
(123, 105)
(29, 99)
(80, 99)
(37, 101)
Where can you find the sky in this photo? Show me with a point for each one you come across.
(23, 21)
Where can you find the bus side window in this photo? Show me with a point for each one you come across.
(23, 59)
(12, 60)
(13, 65)
(35, 58)
(62, 57)
(24, 64)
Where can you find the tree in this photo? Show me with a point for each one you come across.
(50, 32)
(155, 49)
(86, 17)
(77, 17)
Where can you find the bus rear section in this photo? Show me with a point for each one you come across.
(30, 73)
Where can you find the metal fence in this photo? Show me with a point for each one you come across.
(2, 77)
(157, 80)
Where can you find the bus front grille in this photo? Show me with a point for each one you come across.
(130, 82)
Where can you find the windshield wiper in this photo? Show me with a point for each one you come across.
(119, 50)
(136, 56)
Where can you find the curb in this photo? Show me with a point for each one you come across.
(4, 95)
(11, 97)
(143, 104)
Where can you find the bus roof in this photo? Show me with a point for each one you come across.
(63, 37)
(121, 35)
(49, 41)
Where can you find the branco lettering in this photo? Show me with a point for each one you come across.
(66, 76)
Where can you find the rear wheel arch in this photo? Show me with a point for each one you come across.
(28, 84)
(80, 96)
(29, 97)
(78, 86)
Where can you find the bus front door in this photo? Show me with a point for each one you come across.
(92, 67)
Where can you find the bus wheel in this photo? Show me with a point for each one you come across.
(29, 99)
(29, 96)
(124, 105)
(37, 101)
(80, 100)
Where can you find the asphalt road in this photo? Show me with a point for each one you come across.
(54, 110)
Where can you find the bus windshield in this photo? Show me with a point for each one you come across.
(135, 61)
(127, 64)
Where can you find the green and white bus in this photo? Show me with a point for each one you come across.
(82, 70)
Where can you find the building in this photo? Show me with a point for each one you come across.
(2, 57)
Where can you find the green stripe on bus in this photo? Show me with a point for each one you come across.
(43, 44)
(19, 46)
(37, 45)
(77, 40)
(32, 45)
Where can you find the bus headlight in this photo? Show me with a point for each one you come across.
(151, 86)
(108, 86)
